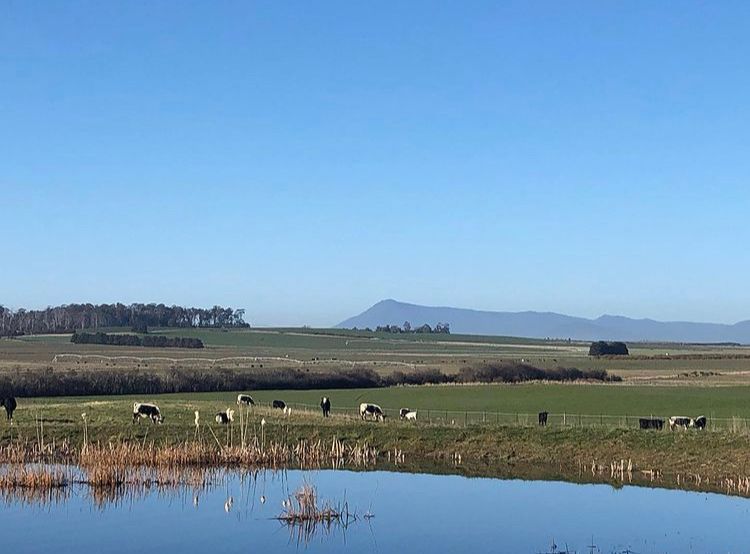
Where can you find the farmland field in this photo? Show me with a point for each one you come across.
(691, 380)
(337, 348)
(489, 424)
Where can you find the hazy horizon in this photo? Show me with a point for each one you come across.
(305, 163)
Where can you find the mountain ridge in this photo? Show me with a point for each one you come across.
(547, 324)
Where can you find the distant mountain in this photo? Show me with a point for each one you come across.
(548, 324)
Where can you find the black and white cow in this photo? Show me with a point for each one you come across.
(325, 405)
(225, 417)
(10, 404)
(372, 410)
(279, 404)
(650, 423)
(700, 422)
(407, 414)
(681, 422)
(543, 418)
(245, 400)
(150, 411)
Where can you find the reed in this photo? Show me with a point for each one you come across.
(147, 464)
(33, 477)
(303, 507)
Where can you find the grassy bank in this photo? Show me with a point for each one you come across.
(483, 448)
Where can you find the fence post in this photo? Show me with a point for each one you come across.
(497, 418)
(429, 419)
(484, 417)
(466, 419)
(563, 419)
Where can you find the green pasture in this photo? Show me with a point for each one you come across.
(608, 400)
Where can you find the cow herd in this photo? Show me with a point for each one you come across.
(373, 412)
(675, 422)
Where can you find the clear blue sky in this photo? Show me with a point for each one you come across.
(305, 160)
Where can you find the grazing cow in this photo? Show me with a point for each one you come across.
(9, 403)
(650, 423)
(700, 422)
(325, 405)
(146, 410)
(407, 414)
(543, 418)
(279, 404)
(245, 400)
(225, 417)
(373, 410)
(680, 421)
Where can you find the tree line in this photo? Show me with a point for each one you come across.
(440, 328)
(155, 341)
(69, 317)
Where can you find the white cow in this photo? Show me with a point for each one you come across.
(245, 400)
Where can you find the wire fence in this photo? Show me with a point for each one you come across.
(466, 418)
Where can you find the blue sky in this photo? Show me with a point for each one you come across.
(305, 160)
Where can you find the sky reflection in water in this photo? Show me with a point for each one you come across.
(413, 513)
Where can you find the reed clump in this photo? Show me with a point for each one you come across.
(109, 457)
(303, 507)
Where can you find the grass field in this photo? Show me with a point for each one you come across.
(478, 421)
(432, 402)
(337, 348)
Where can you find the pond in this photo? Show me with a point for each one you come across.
(395, 512)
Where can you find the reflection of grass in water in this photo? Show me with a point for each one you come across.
(50, 484)
(34, 484)
(304, 515)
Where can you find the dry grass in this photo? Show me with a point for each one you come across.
(303, 507)
(116, 465)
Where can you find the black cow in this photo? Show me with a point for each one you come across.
(650, 423)
(700, 422)
(10, 404)
(225, 417)
(325, 405)
(278, 404)
(543, 418)
(150, 411)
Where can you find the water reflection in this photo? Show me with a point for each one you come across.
(228, 511)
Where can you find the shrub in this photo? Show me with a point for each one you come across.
(517, 373)
(155, 341)
(604, 348)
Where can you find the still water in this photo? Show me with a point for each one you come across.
(411, 513)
